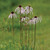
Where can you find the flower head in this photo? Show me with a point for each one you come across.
(30, 22)
(20, 9)
(20, 6)
(24, 19)
(12, 14)
(36, 19)
(35, 16)
(28, 9)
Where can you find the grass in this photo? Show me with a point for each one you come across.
(41, 8)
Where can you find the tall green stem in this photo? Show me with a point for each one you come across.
(35, 36)
(26, 37)
(28, 30)
(21, 32)
(32, 35)
(13, 28)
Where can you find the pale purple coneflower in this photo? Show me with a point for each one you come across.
(28, 9)
(28, 12)
(24, 19)
(32, 21)
(20, 9)
(12, 15)
(36, 20)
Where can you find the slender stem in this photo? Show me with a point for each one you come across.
(26, 36)
(13, 28)
(28, 30)
(8, 26)
(20, 27)
(32, 35)
(35, 36)
(21, 31)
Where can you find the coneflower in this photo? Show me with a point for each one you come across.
(24, 20)
(35, 20)
(19, 10)
(26, 34)
(35, 32)
(12, 16)
(28, 10)
(32, 21)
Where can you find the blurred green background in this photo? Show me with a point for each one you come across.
(40, 8)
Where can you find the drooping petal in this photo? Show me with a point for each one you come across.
(18, 9)
(40, 19)
(22, 10)
(12, 15)
(30, 22)
(28, 10)
(24, 19)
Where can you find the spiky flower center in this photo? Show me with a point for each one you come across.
(29, 6)
(12, 12)
(24, 16)
(20, 6)
(35, 16)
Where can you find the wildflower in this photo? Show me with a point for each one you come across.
(24, 19)
(28, 9)
(36, 19)
(12, 15)
(19, 10)
(30, 22)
